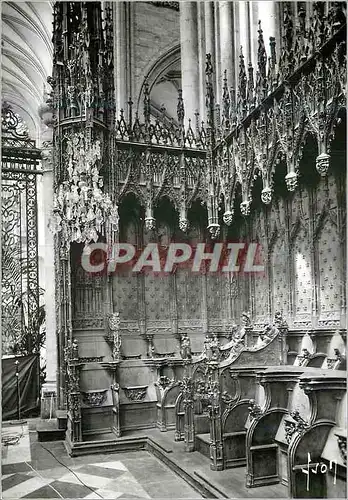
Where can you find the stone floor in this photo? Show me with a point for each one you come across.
(31, 469)
(230, 482)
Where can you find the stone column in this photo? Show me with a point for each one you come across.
(217, 69)
(209, 24)
(120, 55)
(253, 21)
(49, 388)
(189, 59)
(267, 16)
(244, 40)
(227, 50)
(201, 59)
(209, 28)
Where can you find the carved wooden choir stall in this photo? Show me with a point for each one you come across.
(140, 350)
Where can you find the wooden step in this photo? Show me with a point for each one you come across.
(202, 444)
(62, 419)
(47, 430)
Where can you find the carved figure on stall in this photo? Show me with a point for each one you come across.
(151, 349)
(215, 348)
(114, 321)
(245, 323)
(236, 344)
(264, 337)
(116, 347)
(232, 337)
(186, 352)
(239, 344)
(68, 351)
(279, 321)
(254, 409)
(294, 424)
(114, 337)
(211, 348)
(342, 446)
(305, 356)
(74, 350)
(340, 362)
(207, 349)
(164, 235)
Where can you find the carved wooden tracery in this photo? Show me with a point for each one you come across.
(302, 91)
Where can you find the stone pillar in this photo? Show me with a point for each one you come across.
(267, 16)
(209, 24)
(244, 40)
(49, 388)
(189, 59)
(227, 49)
(209, 28)
(201, 59)
(120, 55)
(253, 20)
(217, 69)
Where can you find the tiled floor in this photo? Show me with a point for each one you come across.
(43, 470)
(18, 452)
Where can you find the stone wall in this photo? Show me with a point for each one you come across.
(156, 31)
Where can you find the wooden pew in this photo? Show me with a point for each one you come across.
(236, 395)
(325, 390)
(262, 449)
(280, 437)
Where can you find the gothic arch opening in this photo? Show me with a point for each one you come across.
(131, 215)
(308, 175)
(198, 218)
(164, 81)
(167, 221)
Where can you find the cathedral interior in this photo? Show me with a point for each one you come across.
(174, 249)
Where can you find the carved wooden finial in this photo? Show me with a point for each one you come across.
(180, 109)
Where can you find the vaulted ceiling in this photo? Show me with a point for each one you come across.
(26, 57)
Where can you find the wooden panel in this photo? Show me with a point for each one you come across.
(317, 485)
(214, 296)
(330, 272)
(302, 279)
(157, 297)
(188, 294)
(138, 416)
(260, 280)
(97, 419)
(234, 448)
(265, 463)
(280, 284)
(87, 299)
(125, 298)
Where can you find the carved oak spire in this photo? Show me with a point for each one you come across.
(242, 86)
(209, 101)
(226, 103)
(146, 103)
(180, 110)
(287, 58)
(261, 53)
(250, 96)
